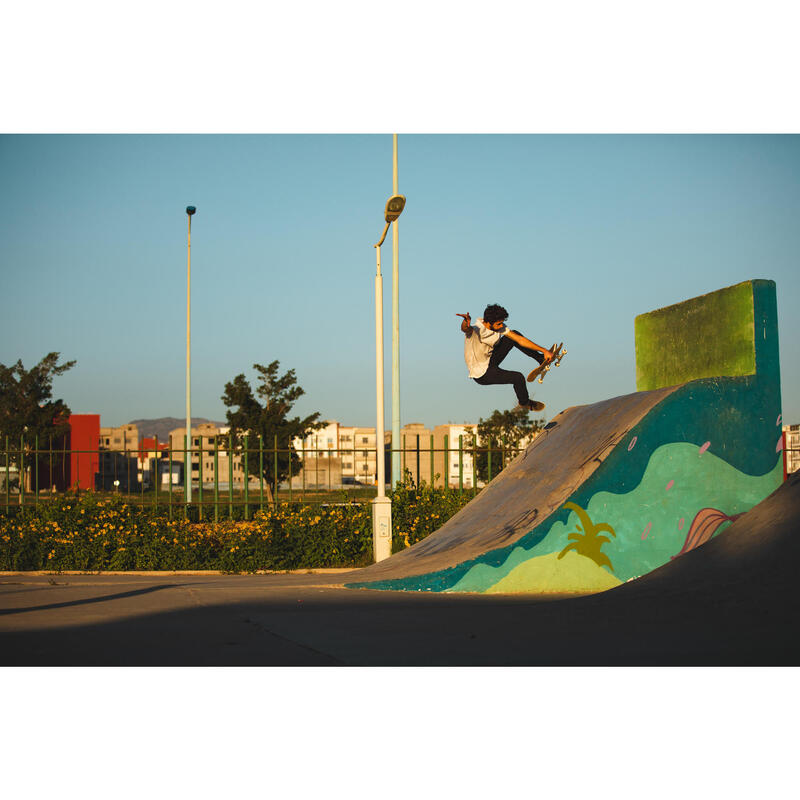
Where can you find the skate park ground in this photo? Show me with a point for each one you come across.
(732, 601)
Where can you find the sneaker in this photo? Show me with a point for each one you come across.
(531, 405)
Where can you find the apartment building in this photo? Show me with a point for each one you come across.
(341, 455)
(116, 461)
(320, 461)
(451, 464)
(360, 462)
(146, 460)
(415, 452)
(791, 445)
(229, 467)
(319, 470)
(336, 455)
(330, 457)
(124, 438)
(453, 457)
(333, 456)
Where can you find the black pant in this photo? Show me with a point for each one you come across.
(494, 375)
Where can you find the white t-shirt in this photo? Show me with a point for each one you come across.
(478, 345)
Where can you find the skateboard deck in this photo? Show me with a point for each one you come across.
(544, 368)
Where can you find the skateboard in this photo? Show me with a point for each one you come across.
(543, 369)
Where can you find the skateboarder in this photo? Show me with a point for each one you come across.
(488, 343)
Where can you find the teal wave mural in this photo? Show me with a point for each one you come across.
(650, 523)
(726, 431)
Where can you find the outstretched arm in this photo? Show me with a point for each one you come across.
(525, 342)
(466, 323)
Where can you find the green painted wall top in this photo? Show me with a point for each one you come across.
(732, 332)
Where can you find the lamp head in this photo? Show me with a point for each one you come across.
(394, 207)
(190, 210)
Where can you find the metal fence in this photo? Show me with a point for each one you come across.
(156, 477)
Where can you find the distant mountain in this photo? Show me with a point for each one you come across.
(162, 426)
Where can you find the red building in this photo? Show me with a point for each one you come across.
(147, 445)
(84, 438)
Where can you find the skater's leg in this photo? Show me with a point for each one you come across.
(537, 355)
(503, 348)
(495, 376)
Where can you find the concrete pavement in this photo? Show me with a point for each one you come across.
(296, 620)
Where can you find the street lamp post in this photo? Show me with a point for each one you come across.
(190, 210)
(396, 474)
(382, 505)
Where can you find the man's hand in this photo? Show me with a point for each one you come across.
(466, 323)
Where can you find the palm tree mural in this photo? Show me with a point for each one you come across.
(588, 543)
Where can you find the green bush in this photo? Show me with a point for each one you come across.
(87, 532)
(420, 510)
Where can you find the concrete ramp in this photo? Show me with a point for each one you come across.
(613, 490)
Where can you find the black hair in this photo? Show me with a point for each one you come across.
(495, 313)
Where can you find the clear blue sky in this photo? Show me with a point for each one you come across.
(575, 235)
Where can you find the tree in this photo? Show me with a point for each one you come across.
(267, 419)
(503, 433)
(26, 407)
